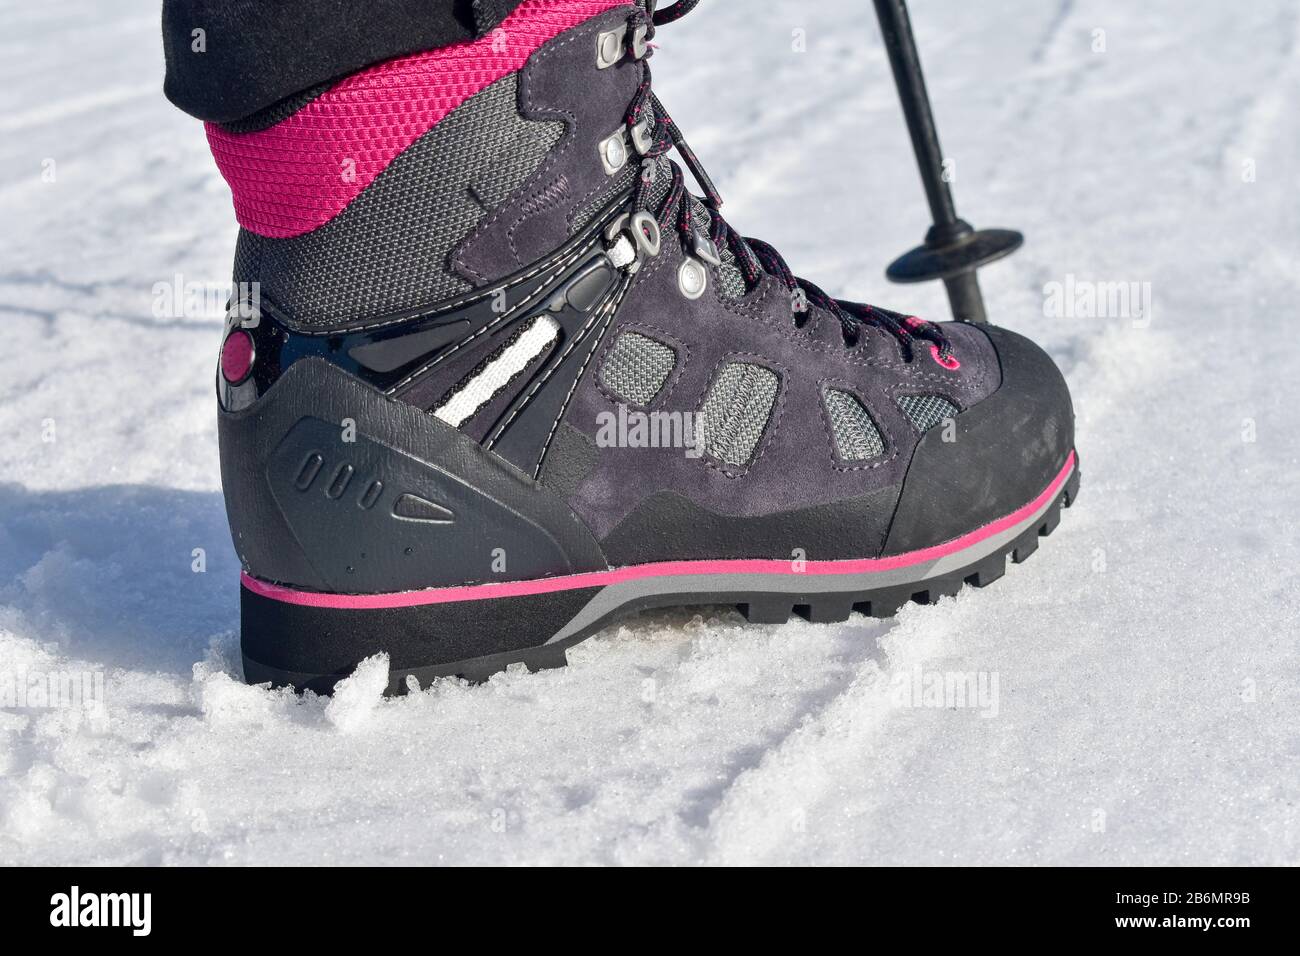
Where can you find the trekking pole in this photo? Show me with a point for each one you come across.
(953, 250)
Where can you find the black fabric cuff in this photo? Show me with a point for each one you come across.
(230, 59)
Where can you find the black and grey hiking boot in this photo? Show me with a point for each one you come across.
(495, 377)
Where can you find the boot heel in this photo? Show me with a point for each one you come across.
(311, 641)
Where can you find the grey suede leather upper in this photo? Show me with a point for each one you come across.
(795, 467)
(795, 464)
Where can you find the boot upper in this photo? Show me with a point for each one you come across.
(788, 435)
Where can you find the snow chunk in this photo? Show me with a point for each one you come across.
(356, 697)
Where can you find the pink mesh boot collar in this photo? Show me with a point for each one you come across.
(301, 173)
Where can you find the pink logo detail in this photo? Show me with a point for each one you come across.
(950, 363)
(237, 357)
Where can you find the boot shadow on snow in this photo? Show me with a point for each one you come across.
(135, 576)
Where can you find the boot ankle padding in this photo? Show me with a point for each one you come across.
(388, 251)
(301, 173)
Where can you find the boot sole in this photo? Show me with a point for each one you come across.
(302, 630)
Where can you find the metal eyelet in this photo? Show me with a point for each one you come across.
(705, 249)
(610, 46)
(641, 138)
(640, 42)
(613, 152)
(643, 230)
(692, 278)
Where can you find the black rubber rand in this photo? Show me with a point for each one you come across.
(280, 639)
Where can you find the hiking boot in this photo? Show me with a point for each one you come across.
(494, 377)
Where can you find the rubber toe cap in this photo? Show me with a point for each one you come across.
(1008, 448)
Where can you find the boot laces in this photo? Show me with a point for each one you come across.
(753, 257)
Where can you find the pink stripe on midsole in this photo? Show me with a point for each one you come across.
(593, 579)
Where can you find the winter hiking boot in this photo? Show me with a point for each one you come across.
(494, 377)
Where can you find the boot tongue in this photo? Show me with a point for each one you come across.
(731, 280)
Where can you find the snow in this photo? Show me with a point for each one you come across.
(1144, 660)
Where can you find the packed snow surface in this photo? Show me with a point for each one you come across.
(1133, 686)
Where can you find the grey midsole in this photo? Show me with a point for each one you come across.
(614, 596)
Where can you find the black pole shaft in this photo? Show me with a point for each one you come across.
(965, 298)
(896, 27)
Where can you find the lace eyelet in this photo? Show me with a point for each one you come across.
(692, 278)
(950, 363)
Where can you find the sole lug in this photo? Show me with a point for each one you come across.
(988, 572)
(1024, 547)
(766, 611)
(885, 604)
(827, 609)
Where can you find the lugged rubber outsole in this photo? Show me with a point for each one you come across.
(340, 630)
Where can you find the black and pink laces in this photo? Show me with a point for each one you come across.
(646, 118)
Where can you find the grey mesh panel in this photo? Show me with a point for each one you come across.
(389, 249)
(736, 411)
(731, 281)
(856, 435)
(926, 411)
(515, 162)
(637, 368)
(700, 217)
(619, 184)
